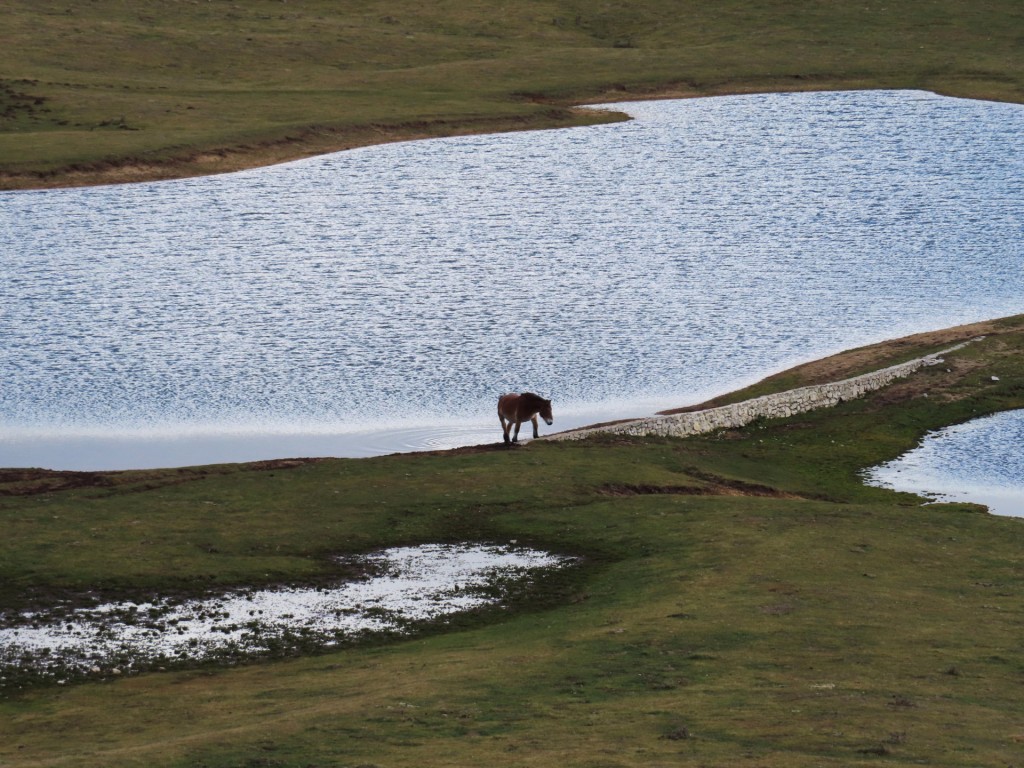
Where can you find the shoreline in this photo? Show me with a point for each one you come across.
(317, 140)
(211, 449)
(684, 423)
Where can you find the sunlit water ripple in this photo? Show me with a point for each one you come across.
(381, 299)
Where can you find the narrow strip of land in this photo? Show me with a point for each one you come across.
(774, 406)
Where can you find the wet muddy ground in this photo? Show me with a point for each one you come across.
(401, 590)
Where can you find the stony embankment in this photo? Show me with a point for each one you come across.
(774, 406)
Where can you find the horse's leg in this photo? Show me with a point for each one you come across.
(505, 426)
(534, 420)
(515, 437)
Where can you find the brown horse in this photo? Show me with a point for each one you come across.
(515, 409)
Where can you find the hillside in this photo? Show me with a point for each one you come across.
(109, 91)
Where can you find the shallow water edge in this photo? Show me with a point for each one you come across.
(979, 461)
(98, 451)
(315, 143)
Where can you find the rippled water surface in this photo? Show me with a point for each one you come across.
(980, 461)
(381, 299)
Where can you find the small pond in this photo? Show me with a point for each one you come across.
(408, 586)
(980, 461)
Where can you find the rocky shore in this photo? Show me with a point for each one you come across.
(774, 406)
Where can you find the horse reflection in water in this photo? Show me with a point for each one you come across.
(517, 408)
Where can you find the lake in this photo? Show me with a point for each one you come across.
(381, 299)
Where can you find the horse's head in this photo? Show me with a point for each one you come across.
(545, 412)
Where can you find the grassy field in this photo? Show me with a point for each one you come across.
(107, 90)
(745, 599)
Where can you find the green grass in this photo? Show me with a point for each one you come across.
(831, 625)
(107, 90)
(828, 624)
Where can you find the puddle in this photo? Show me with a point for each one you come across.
(412, 585)
(980, 461)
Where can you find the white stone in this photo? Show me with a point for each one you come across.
(781, 404)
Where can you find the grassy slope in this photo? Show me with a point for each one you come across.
(855, 362)
(111, 91)
(828, 629)
(820, 622)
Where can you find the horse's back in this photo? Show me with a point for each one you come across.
(522, 405)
